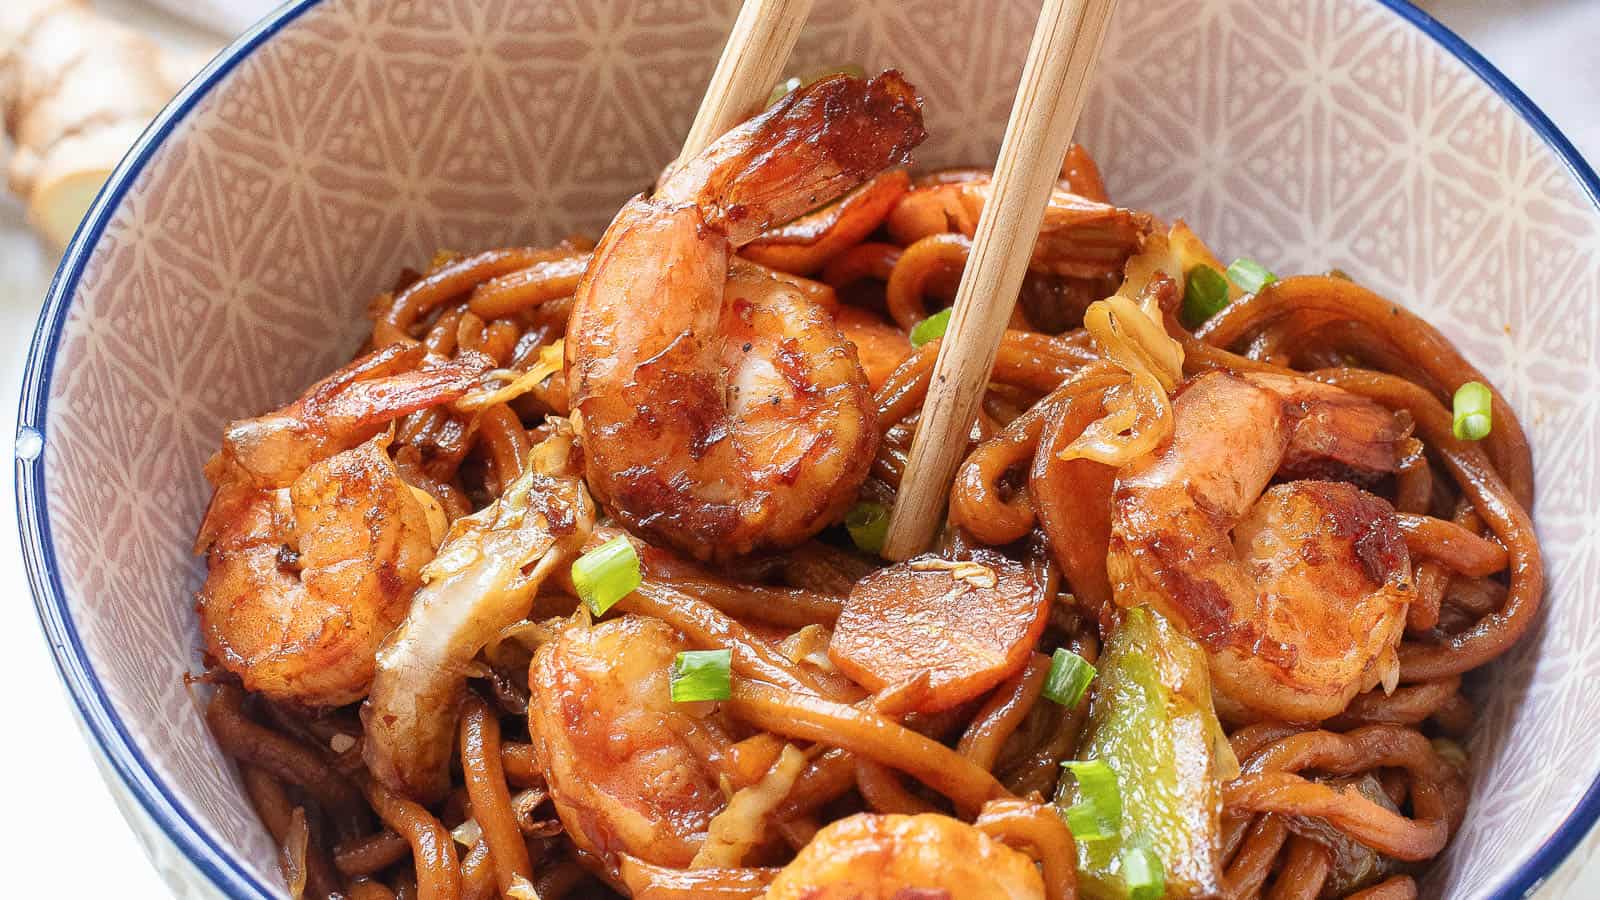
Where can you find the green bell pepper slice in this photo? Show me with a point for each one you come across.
(1152, 721)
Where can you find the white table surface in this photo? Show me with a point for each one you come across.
(57, 803)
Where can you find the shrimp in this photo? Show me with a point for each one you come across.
(1302, 607)
(483, 579)
(715, 417)
(626, 767)
(1079, 237)
(879, 345)
(882, 857)
(809, 242)
(313, 541)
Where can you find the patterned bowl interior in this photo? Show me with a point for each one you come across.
(363, 135)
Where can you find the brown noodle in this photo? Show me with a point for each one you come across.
(1463, 509)
(491, 800)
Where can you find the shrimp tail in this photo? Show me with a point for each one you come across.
(368, 402)
(335, 414)
(806, 150)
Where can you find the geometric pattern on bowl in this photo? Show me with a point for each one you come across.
(233, 259)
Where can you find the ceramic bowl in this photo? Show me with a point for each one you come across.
(228, 261)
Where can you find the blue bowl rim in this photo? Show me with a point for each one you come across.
(222, 864)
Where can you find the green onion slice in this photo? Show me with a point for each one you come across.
(868, 524)
(1142, 871)
(1473, 412)
(702, 675)
(1250, 275)
(1205, 293)
(1069, 677)
(1097, 815)
(930, 328)
(606, 574)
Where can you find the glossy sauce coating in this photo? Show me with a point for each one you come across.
(616, 751)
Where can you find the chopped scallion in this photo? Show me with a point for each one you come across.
(1069, 677)
(702, 675)
(1250, 275)
(1473, 412)
(1142, 872)
(868, 524)
(1097, 815)
(606, 574)
(1205, 293)
(930, 328)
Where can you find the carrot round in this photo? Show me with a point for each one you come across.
(964, 625)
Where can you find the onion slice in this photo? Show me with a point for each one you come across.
(483, 579)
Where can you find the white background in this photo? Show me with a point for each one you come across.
(76, 843)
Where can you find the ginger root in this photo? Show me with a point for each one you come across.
(76, 89)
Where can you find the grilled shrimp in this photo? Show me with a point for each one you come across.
(626, 766)
(1302, 606)
(1079, 237)
(886, 857)
(483, 579)
(718, 417)
(313, 541)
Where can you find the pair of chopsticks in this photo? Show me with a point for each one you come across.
(1061, 58)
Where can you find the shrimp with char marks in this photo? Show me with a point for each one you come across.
(626, 767)
(313, 541)
(1300, 593)
(724, 416)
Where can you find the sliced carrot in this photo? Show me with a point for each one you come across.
(968, 625)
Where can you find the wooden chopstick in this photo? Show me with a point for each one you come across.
(1061, 59)
(757, 50)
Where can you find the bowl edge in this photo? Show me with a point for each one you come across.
(222, 864)
(218, 863)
